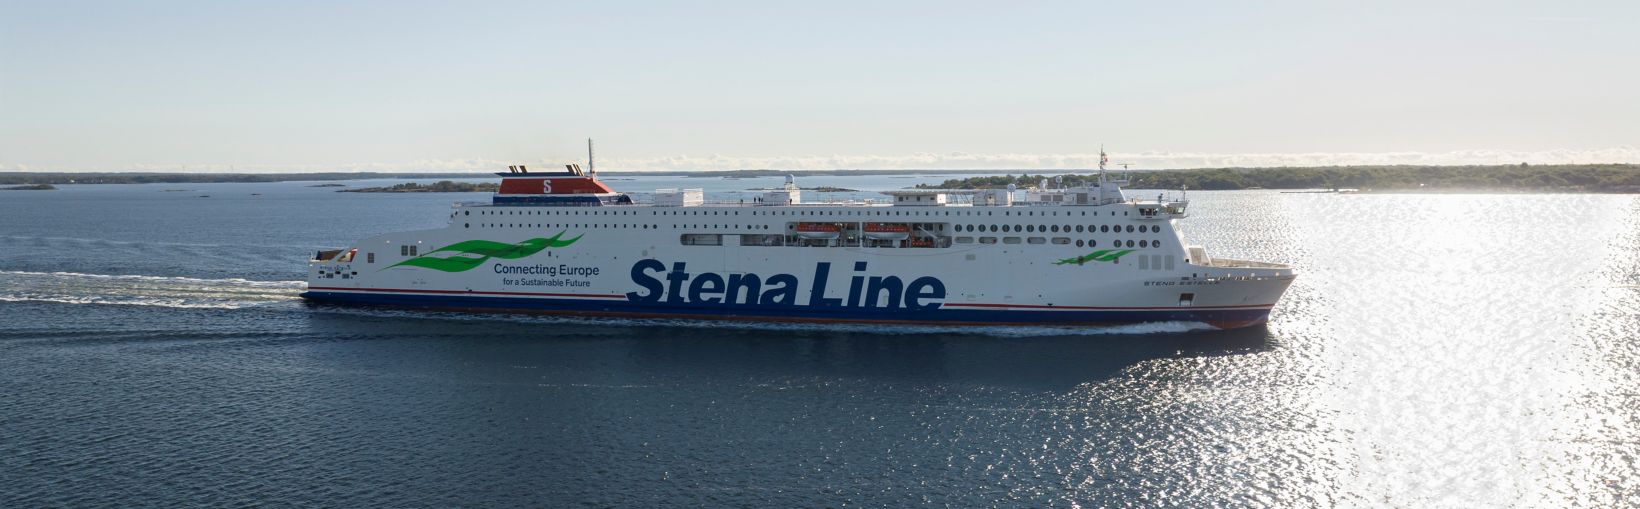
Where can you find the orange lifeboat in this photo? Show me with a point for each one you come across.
(818, 230)
(887, 231)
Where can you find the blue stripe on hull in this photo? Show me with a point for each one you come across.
(1225, 318)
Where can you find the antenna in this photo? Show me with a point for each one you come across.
(591, 168)
(1102, 160)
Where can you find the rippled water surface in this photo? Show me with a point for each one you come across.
(1436, 351)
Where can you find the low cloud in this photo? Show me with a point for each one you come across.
(930, 161)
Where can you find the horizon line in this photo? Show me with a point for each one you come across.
(915, 161)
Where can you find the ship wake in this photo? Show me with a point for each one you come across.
(138, 290)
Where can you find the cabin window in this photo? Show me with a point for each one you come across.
(1130, 228)
(404, 250)
(1144, 243)
(1130, 243)
(370, 257)
(762, 240)
(1010, 240)
(413, 249)
(987, 240)
(1061, 240)
(965, 240)
(701, 239)
(1037, 240)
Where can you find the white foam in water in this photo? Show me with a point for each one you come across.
(140, 290)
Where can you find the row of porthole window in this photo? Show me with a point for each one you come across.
(1079, 242)
(640, 226)
(1056, 228)
(889, 213)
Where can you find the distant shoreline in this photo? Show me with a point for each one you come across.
(1582, 178)
(69, 178)
(442, 186)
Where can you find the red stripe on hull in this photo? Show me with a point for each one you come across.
(1138, 308)
(748, 318)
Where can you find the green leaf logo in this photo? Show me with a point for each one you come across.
(1102, 255)
(465, 255)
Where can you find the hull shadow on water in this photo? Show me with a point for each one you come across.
(1042, 359)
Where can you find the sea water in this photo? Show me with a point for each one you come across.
(1436, 350)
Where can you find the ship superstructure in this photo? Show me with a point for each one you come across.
(564, 242)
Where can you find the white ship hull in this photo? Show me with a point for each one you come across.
(748, 262)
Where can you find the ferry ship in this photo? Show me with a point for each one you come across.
(563, 242)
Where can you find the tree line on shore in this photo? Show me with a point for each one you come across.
(442, 186)
(1523, 177)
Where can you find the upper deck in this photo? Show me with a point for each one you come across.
(574, 188)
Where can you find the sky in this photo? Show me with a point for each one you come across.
(475, 86)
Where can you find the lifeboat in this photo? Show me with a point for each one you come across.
(818, 230)
(887, 231)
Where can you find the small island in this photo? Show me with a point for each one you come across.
(442, 186)
(818, 189)
(30, 187)
(328, 185)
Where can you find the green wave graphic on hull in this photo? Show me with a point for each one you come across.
(1102, 255)
(472, 253)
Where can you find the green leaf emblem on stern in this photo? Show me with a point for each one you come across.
(1102, 255)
